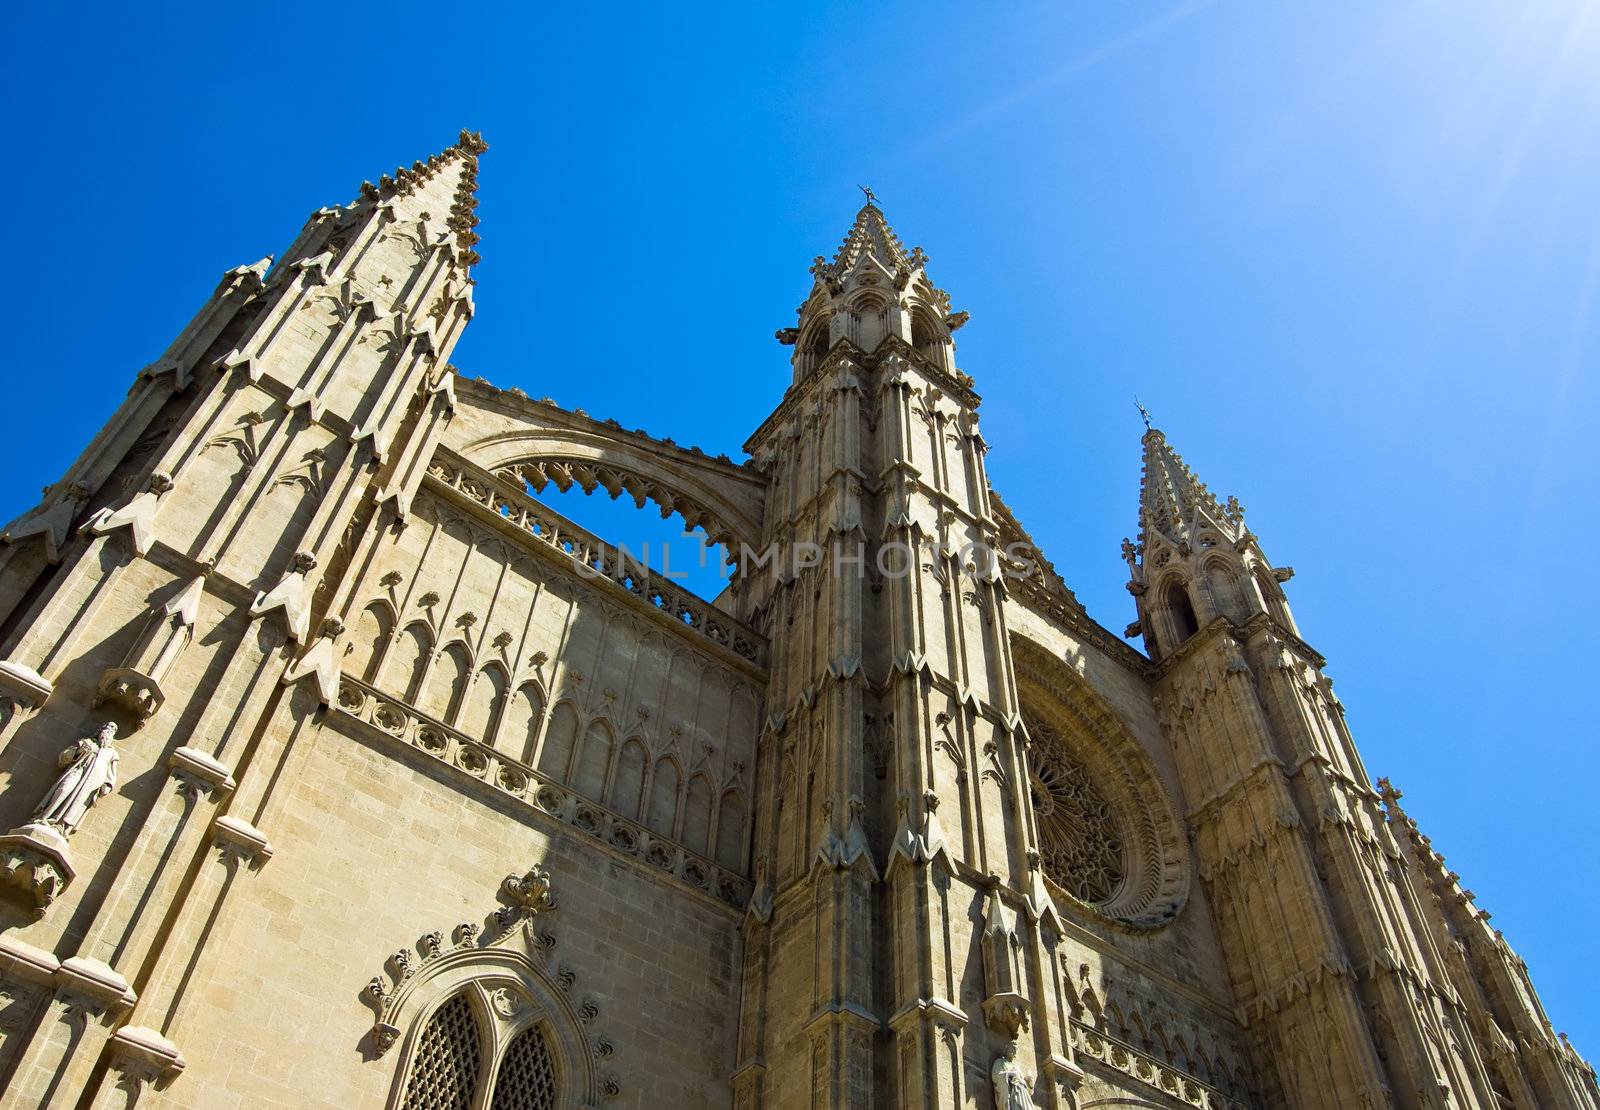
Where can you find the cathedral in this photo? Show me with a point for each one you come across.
(338, 770)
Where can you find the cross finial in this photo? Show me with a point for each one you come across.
(872, 198)
(1144, 412)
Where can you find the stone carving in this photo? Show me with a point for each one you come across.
(1013, 1089)
(89, 771)
(1005, 1008)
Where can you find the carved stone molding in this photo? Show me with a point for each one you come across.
(507, 967)
(1092, 1045)
(93, 986)
(238, 840)
(143, 1056)
(23, 684)
(34, 858)
(200, 772)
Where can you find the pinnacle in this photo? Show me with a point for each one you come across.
(408, 179)
(1171, 495)
(870, 234)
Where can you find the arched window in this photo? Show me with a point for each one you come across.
(1272, 597)
(491, 1045)
(1180, 613)
(926, 335)
(817, 342)
(555, 757)
(409, 661)
(1224, 591)
(444, 1073)
(526, 1078)
(370, 638)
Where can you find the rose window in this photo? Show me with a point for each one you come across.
(1081, 841)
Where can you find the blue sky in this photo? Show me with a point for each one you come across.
(1349, 258)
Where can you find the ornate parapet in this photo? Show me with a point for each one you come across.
(594, 559)
(34, 859)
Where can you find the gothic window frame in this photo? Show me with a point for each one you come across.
(507, 993)
(1157, 882)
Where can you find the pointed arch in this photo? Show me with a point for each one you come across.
(697, 804)
(528, 715)
(627, 785)
(446, 1068)
(594, 761)
(663, 808)
(1178, 609)
(507, 994)
(928, 335)
(1222, 589)
(447, 685)
(560, 742)
(408, 662)
(526, 1077)
(485, 702)
(731, 831)
(369, 641)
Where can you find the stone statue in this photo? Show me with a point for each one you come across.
(89, 770)
(1013, 1090)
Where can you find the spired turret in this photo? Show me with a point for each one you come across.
(873, 289)
(1194, 560)
(1329, 927)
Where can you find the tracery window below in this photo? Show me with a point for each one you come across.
(1081, 841)
(444, 1075)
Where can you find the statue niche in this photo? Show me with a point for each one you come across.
(89, 771)
(34, 856)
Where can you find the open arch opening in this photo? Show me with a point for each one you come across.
(666, 543)
(1181, 620)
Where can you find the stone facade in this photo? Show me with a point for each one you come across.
(420, 795)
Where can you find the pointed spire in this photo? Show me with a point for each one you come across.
(1174, 503)
(406, 180)
(871, 236)
(874, 290)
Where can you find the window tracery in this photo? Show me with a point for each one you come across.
(444, 1075)
(1080, 833)
(491, 1021)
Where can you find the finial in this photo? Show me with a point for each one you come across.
(872, 198)
(1144, 412)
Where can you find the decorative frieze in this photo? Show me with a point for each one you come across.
(1093, 1045)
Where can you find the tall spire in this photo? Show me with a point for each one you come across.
(871, 235)
(1176, 504)
(1194, 560)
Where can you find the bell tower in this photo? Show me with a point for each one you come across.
(896, 947)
